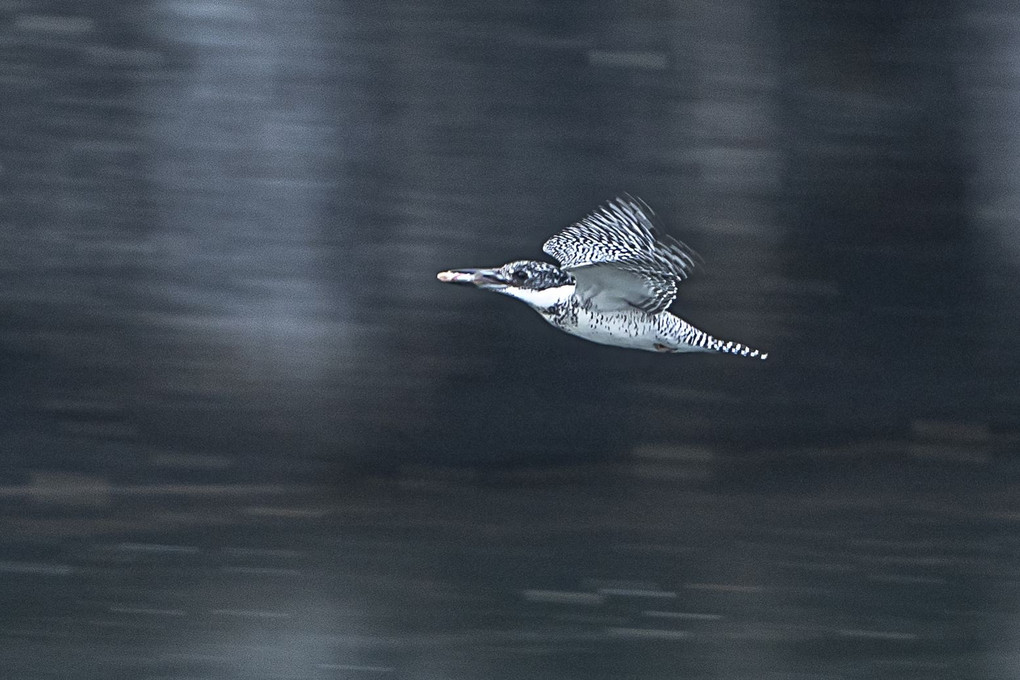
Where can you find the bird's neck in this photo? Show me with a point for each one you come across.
(542, 300)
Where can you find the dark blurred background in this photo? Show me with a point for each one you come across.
(247, 434)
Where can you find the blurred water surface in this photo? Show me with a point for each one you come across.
(246, 434)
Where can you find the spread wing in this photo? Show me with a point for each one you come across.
(619, 260)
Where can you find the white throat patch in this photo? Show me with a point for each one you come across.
(540, 299)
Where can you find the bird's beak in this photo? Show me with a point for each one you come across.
(483, 278)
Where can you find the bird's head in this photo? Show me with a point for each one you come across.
(527, 280)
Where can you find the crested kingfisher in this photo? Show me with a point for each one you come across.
(616, 279)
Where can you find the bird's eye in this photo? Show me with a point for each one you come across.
(520, 275)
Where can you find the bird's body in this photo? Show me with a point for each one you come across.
(615, 281)
(629, 328)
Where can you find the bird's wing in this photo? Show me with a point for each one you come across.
(619, 260)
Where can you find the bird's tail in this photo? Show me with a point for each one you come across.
(695, 340)
(730, 347)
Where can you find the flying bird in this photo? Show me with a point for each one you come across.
(616, 278)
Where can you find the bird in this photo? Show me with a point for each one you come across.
(617, 275)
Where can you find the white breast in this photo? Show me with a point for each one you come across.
(632, 329)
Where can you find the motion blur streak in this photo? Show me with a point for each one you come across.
(990, 79)
(240, 147)
(247, 435)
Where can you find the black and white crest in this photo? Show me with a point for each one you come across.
(619, 259)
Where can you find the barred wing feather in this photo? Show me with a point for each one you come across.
(619, 260)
